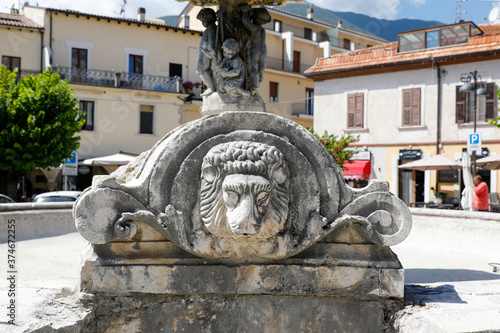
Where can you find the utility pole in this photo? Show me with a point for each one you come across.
(459, 11)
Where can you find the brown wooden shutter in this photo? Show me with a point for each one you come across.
(415, 107)
(358, 117)
(351, 110)
(347, 44)
(296, 61)
(461, 104)
(406, 107)
(491, 101)
(411, 107)
(273, 91)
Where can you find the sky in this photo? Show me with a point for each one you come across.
(438, 10)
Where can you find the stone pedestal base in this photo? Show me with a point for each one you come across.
(245, 313)
(327, 288)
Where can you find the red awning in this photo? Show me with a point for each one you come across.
(358, 169)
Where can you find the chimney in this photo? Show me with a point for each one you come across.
(14, 11)
(310, 13)
(141, 14)
(339, 24)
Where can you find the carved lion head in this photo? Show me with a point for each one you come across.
(244, 189)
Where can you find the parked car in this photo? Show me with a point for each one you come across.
(58, 196)
(5, 199)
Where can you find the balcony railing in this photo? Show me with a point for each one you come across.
(342, 43)
(285, 65)
(319, 37)
(300, 32)
(26, 72)
(302, 109)
(103, 78)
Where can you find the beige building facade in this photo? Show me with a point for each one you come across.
(127, 75)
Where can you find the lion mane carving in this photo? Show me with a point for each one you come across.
(244, 190)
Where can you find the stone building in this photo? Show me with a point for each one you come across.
(403, 101)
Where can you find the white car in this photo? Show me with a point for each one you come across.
(5, 199)
(58, 196)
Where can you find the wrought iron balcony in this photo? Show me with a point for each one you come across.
(285, 65)
(103, 78)
(25, 72)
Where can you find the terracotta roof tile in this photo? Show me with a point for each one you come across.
(16, 20)
(78, 13)
(386, 54)
(490, 29)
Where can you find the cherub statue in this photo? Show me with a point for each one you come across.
(232, 70)
(208, 50)
(256, 53)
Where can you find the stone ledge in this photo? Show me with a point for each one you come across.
(197, 276)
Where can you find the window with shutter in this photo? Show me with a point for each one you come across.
(88, 108)
(487, 108)
(146, 117)
(411, 107)
(355, 106)
(491, 101)
(460, 111)
(273, 92)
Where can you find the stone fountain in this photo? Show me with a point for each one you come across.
(240, 221)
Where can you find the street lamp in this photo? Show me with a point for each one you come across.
(468, 87)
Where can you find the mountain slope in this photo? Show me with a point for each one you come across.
(385, 29)
(170, 19)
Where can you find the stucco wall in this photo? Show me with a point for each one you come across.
(23, 43)
(117, 119)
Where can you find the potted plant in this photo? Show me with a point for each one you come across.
(441, 197)
(188, 86)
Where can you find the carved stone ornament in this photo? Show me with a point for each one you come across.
(233, 55)
(244, 190)
(237, 186)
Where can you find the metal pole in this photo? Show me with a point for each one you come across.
(475, 120)
(439, 99)
(475, 99)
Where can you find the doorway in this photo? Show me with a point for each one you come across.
(411, 185)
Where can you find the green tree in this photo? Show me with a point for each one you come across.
(496, 122)
(38, 120)
(336, 146)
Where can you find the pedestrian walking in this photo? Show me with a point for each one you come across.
(480, 198)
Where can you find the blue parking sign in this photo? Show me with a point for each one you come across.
(72, 159)
(474, 139)
(474, 143)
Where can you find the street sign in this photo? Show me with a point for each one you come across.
(474, 143)
(410, 154)
(465, 78)
(361, 155)
(70, 166)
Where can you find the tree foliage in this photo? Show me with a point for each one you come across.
(38, 120)
(496, 122)
(336, 146)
